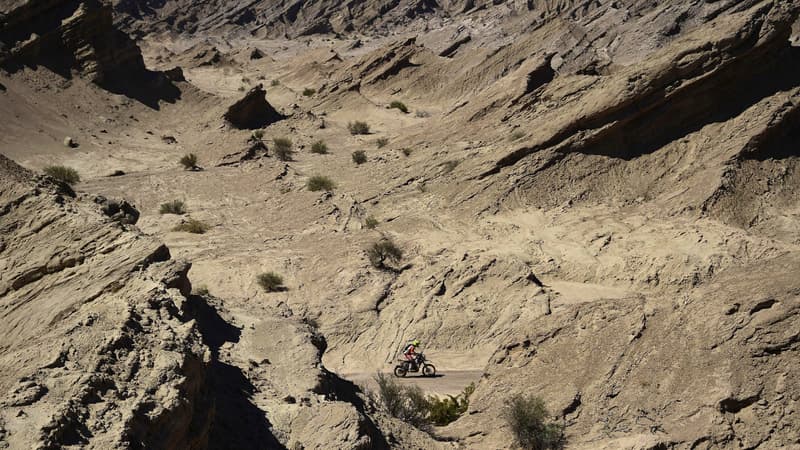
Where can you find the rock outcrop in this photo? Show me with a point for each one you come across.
(70, 37)
(253, 111)
(66, 36)
(96, 350)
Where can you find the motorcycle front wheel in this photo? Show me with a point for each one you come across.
(428, 370)
(400, 371)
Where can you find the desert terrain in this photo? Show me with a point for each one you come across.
(597, 203)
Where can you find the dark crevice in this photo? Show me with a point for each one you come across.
(762, 305)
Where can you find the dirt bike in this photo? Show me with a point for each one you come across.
(420, 364)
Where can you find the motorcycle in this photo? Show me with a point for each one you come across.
(420, 364)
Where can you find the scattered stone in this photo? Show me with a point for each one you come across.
(70, 142)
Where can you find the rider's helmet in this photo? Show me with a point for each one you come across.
(415, 342)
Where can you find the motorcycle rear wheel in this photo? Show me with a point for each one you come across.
(400, 370)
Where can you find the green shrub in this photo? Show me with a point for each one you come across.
(189, 161)
(319, 147)
(371, 223)
(526, 416)
(359, 157)
(192, 226)
(270, 282)
(283, 148)
(62, 173)
(407, 403)
(382, 142)
(258, 134)
(308, 92)
(275, 83)
(358, 127)
(517, 135)
(382, 251)
(174, 207)
(442, 411)
(406, 151)
(242, 88)
(320, 183)
(399, 105)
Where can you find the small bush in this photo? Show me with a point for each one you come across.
(308, 92)
(283, 148)
(62, 173)
(258, 134)
(270, 282)
(274, 83)
(358, 127)
(189, 161)
(382, 142)
(517, 135)
(320, 183)
(359, 157)
(449, 166)
(371, 223)
(422, 114)
(407, 403)
(399, 105)
(242, 88)
(192, 226)
(319, 147)
(382, 251)
(526, 416)
(442, 411)
(406, 151)
(174, 207)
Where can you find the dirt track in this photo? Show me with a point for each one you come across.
(444, 383)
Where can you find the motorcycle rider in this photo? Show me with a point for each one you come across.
(410, 353)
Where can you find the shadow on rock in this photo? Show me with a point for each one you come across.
(238, 423)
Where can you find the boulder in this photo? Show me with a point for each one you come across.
(253, 111)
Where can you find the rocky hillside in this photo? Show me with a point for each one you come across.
(96, 348)
(596, 202)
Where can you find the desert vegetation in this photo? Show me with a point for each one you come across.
(193, 226)
(382, 142)
(409, 403)
(189, 161)
(516, 135)
(173, 207)
(359, 157)
(358, 127)
(319, 147)
(320, 183)
(63, 173)
(527, 417)
(308, 92)
(284, 148)
(383, 251)
(270, 282)
(371, 223)
(399, 105)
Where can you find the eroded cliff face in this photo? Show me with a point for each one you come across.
(68, 36)
(96, 350)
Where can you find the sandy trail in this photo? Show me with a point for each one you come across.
(446, 382)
